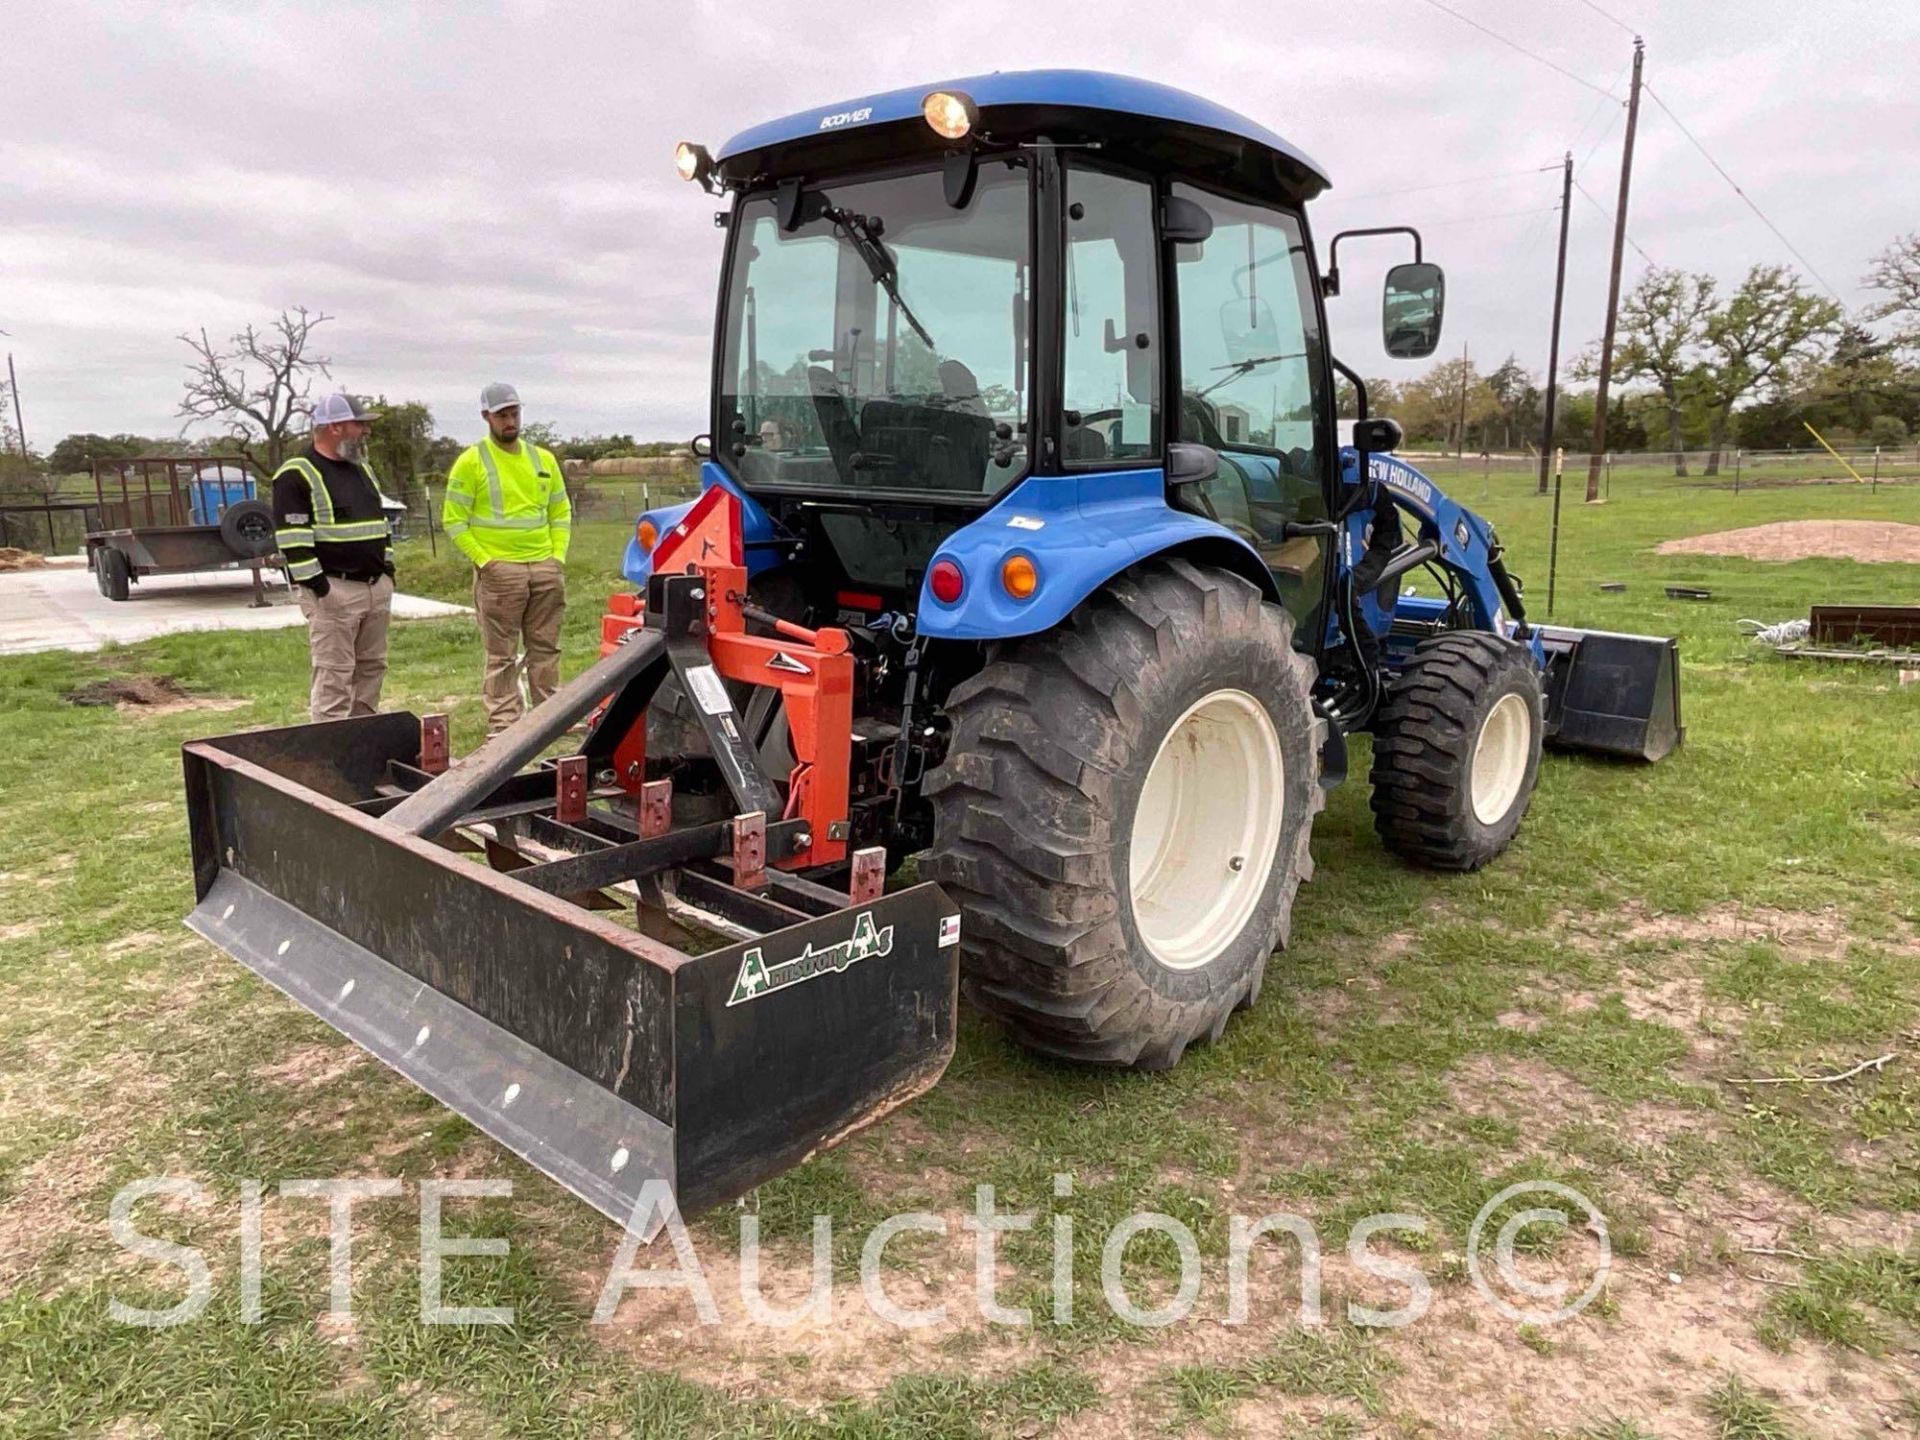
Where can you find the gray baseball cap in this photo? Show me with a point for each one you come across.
(498, 396)
(341, 407)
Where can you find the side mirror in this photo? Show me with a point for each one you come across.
(1415, 300)
(1185, 222)
(1190, 464)
(1378, 437)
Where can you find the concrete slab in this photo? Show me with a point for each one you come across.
(60, 609)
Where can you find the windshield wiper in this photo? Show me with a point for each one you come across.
(863, 233)
(1246, 367)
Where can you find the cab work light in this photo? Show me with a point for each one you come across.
(951, 113)
(692, 161)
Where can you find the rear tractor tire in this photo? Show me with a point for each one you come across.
(1456, 750)
(1124, 813)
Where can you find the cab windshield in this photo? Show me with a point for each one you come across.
(882, 342)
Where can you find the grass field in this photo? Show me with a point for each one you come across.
(1578, 1012)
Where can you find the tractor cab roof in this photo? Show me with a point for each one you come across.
(1137, 120)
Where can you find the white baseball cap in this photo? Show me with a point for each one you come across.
(341, 407)
(498, 396)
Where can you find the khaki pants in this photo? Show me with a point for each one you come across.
(347, 638)
(519, 602)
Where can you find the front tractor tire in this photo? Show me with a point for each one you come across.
(1124, 813)
(1456, 750)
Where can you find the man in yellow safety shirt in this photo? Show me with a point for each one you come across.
(508, 512)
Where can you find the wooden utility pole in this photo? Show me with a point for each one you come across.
(13, 388)
(1613, 283)
(1559, 295)
(1460, 442)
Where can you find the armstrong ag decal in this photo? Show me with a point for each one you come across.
(757, 978)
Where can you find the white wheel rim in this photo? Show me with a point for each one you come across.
(1206, 829)
(1500, 758)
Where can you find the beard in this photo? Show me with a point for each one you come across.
(354, 449)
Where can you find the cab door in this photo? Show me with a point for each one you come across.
(1251, 371)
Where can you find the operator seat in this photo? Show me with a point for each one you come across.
(835, 411)
(961, 388)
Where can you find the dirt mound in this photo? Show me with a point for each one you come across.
(128, 690)
(12, 559)
(1872, 542)
(148, 695)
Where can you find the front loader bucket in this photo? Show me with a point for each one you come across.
(602, 1057)
(1612, 694)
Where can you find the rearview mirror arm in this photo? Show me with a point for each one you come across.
(1330, 282)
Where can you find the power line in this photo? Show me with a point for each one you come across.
(1599, 106)
(1497, 215)
(1442, 184)
(1515, 45)
(1600, 140)
(1611, 19)
(1778, 235)
(1608, 214)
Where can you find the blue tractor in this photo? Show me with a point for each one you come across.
(1026, 544)
(1025, 380)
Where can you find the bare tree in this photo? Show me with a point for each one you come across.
(1770, 327)
(1896, 270)
(257, 385)
(1663, 322)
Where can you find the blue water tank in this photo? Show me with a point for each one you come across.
(213, 490)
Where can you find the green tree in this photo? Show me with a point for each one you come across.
(75, 454)
(1447, 402)
(400, 441)
(1896, 271)
(1512, 385)
(1769, 330)
(1383, 397)
(1663, 324)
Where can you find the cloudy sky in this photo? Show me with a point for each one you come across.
(485, 190)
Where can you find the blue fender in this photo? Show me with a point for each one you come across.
(755, 524)
(1079, 531)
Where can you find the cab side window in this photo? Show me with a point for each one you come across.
(1112, 319)
(1250, 381)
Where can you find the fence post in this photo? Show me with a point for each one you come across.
(1736, 471)
(1874, 488)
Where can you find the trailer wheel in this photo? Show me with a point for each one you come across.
(1456, 750)
(247, 528)
(98, 566)
(115, 573)
(1124, 813)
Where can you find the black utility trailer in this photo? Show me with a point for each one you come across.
(163, 515)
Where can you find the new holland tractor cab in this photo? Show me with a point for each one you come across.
(1026, 540)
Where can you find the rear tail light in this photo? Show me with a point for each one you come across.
(648, 534)
(946, 581)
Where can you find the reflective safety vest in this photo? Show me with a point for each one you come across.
(325, 529)
(521, 515)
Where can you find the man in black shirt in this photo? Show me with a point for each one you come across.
(332, 530)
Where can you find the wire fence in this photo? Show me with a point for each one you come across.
(59, 525)
(1731, 470)
(616, 499)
